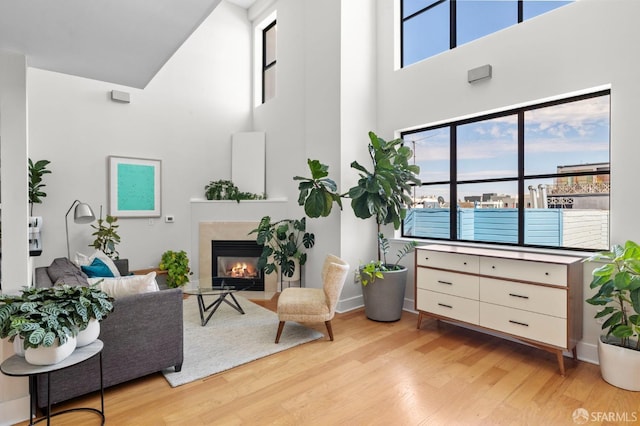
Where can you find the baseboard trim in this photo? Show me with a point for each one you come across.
(14, 411)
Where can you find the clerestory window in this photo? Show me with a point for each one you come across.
(430, 27)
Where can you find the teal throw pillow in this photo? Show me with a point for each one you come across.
(97, 269)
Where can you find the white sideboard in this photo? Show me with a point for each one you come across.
(533, 297)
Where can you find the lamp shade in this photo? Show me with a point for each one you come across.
(83, 214)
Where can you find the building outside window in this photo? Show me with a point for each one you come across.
(269, 61)
(532, 176)
(430, 27)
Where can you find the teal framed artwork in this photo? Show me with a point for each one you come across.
(134, 187)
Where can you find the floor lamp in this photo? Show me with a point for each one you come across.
(82, 214)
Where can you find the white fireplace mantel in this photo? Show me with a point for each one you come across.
(245, 214)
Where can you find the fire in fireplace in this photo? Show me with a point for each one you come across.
(235, 262)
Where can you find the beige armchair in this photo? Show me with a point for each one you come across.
(314, 304)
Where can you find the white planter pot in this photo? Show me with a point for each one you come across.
(47, 355)
(89, 334)
(619, 366)
(18, 346)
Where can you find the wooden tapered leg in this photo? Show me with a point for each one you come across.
(328, 324)
(280, 327)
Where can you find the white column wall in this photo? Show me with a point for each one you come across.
(14, 395)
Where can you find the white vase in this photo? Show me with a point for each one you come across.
(18, 346)
(89, 334)
(619, 366)
(48, 355)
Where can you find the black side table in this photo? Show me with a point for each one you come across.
(17, 366)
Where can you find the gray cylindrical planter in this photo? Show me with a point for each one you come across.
(384, 298)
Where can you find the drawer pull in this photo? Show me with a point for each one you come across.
(444, 282)
(464, 263)
(518, 323)
(546, 273)
(445, 306)
(493, 267)
(518, 295)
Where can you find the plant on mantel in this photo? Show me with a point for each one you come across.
(227, 190)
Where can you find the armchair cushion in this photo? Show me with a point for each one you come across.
(63, 271)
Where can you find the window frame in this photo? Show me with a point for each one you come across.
(267, 66)
(521, 178)
(452, 23)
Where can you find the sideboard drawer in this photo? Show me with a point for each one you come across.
(529, 325)
(544, 273)
(534, 298)
(445, 305)
(449, 283)
(453, 261)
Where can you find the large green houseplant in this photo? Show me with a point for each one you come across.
(618, 293)
(383, 192)
(283, 242)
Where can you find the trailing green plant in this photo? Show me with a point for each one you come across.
(106, 236)
(382, 192)
(176, 263)
(282, 242)
(36, 172)
(226, 190)
(618, 291)
(374, 269)
(40, 315)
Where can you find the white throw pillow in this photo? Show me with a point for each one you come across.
(127, 286)
(84, 260)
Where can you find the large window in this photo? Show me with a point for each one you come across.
(269, 57)
(430, 27)
(533, 176)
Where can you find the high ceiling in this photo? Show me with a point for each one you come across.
(118, 41)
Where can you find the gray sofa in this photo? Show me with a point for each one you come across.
(143, 335)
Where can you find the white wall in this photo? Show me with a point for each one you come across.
(303, 120)
(576, 47)
(185, 117)
(14, 397)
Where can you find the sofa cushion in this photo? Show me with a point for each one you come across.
(97, 269)
(126, 286)
(84, 260)
(63, 271)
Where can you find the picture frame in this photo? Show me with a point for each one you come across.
(134, 186)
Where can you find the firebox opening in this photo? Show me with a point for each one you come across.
(234, 262)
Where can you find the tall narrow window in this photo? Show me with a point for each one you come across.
(269, 57)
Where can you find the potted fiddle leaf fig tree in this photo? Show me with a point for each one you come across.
(383, 192)
(618, 293)
(283, 244)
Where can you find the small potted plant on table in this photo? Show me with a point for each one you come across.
(43, 322)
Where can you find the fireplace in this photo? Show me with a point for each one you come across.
(236, 263)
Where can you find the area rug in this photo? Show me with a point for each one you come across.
(231, 339)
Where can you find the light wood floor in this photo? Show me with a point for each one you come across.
(377, 374)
